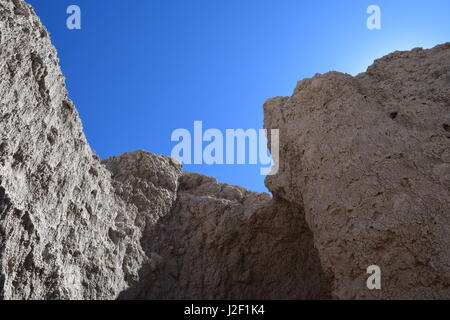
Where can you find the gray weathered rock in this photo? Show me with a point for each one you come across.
(207, 240)
(69, 231)
(368, 159)
(57, 204)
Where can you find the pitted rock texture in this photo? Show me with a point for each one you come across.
(224, 242)
(135, 226)
(57, 204)
(368, 160)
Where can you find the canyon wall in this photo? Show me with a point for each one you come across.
(57, 204)
(364, 180)
(207, 240)
(368, 160)
(135, 226)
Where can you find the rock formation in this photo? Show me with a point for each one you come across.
(207, 240)
(364, 180)
(368, 160)
(70, 231)
(57, 208)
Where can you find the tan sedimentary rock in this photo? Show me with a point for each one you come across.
(367, 158)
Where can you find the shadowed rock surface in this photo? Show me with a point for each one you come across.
(364, 179)
(216, 241)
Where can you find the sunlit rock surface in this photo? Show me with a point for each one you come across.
(368, 160)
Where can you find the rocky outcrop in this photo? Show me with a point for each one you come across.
(134, 226)
(207, 240)
(368, 160)
(57, 204)
(364, 180)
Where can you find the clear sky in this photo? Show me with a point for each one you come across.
(139, 69)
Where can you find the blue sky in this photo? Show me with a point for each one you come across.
(139, 69)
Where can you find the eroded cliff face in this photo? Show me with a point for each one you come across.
(368, 160)
(207, 240)
(364, 179)
(135, 226)
(57, 206)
